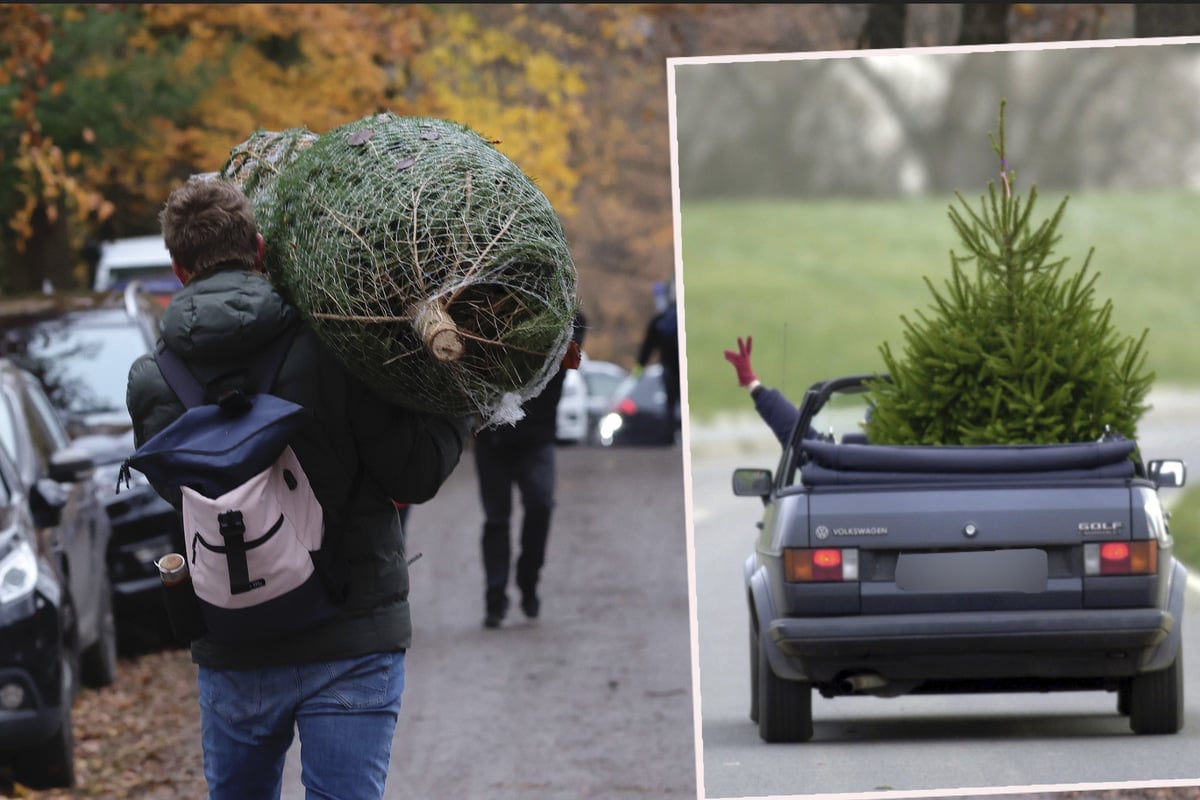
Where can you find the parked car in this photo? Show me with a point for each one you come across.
(570, 418)
(57, 627)
(143, 259)
(603, 379)
(587, 396)
(80, 346)
(638, 412)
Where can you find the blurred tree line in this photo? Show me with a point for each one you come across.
(104, 108)
(887, 127)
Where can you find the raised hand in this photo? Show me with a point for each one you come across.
(741, 362)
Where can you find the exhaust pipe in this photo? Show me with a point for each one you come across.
(862, 682)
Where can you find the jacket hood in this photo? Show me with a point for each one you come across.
(223, 314)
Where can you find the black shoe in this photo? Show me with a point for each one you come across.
(531, 606)
(495, 602)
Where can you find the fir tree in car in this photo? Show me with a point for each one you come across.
(999, 531)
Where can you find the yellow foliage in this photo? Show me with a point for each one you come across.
(317, 66)
(505, 87)
(45, 177)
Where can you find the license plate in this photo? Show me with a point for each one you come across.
(1022, 570)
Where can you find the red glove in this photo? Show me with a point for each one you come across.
(741, 362)
(573, 357)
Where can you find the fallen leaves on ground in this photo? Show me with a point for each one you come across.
(139, 738)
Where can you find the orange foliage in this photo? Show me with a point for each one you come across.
(323, 65)
(46, 176)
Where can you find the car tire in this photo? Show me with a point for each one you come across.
(753, 670)
(51, 765)
(1156, 699)
(784, 707)
(1123, 692)
(99, 662)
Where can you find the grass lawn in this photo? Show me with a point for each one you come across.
(1185, 526)
(820, 285)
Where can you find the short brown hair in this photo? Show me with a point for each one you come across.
(208, 223)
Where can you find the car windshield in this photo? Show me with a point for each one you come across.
(602, 384)
(82, 362)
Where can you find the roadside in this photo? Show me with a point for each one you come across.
(592, 700)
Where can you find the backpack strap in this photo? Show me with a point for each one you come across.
(270, 362)
(178, 376)
(191, 391)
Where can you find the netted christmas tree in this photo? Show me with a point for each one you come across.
(422, 256)
(1015, 350)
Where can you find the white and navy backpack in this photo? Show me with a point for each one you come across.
(251, 522)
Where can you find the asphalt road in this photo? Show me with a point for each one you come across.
(593, 699)
(912, 744)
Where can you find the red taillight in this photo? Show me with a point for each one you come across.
(1122, 558)
(627, 407)
(1114, 558)
(825, 564)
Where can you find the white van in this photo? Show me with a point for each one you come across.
(144, 258)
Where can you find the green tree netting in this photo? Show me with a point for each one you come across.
(422, 256)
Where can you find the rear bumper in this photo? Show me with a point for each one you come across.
(1078, 643)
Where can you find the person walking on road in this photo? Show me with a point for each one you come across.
(338, 682)
(662, 337)
(522, 454)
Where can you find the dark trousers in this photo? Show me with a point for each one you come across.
(531, 469)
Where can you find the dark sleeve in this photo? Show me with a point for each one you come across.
(649, 342)
(152, 407)
(777, 411)
(410, 454)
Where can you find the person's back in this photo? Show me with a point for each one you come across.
(360, 454)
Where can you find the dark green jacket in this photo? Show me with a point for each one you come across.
(359, 453)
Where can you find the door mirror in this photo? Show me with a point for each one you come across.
(47, 499)
(1167, 473)
(752, 483)
(71, 465)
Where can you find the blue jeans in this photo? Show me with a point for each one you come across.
(345, 711)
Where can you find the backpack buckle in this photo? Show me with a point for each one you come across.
(234, 402)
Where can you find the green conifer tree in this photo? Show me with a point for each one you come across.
(1015, 351)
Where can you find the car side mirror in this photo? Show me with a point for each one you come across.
(752, 483)
(47, 499)
(1167, 473)
(71, 465)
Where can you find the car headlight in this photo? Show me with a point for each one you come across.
(608, 426)
(18, 572)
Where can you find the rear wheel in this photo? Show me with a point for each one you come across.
(99, 666)
(753, 670)
(1156, 699)
(784, 707)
